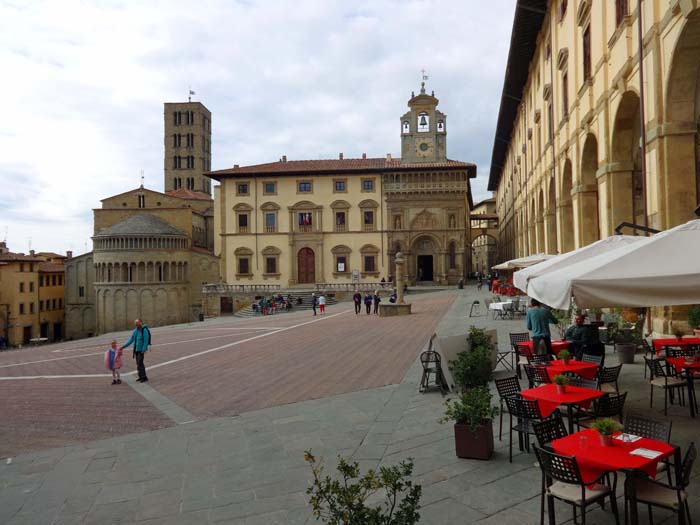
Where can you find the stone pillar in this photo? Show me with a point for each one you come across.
(399, 277)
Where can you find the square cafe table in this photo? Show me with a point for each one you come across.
(674, 341)
(557, 346)
(549, 399)
(594, 459)
(585, 370)
(691, 368)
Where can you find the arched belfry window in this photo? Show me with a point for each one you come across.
(441, 126)
(423, 121)
(405, 128)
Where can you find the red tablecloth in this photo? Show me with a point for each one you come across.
(594, 459)
(674, 341)
(548, 398)
(557, 346)
(585, 370)
(679, 363)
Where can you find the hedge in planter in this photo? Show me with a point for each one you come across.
(472, 414)
(473, 369)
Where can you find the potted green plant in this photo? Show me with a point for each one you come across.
(354, 498)
(473, 368)
(694, 319)
(606, 427)
(473, 415)
(564, 356)
(622, 333)
(560, 380)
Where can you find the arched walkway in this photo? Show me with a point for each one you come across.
(484, 253)
(587, 193)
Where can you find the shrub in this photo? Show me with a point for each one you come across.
(694, 317)
(606, 426)
(564, 354)
(472, 408)
(560, 379)
(472, 369)
(344, 501)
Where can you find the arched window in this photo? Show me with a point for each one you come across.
(406, 127)
(423, 121)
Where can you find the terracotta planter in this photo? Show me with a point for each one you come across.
(696, 332)
(474, 445)
(605, 440)
(561, 389)
(565, 361)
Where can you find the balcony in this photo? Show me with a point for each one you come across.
(340, 228)
(369, 228)
(305, 228)
(270, 229)
(243, 229)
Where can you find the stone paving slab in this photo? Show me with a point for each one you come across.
(249, 469)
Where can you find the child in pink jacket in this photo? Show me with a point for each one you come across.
(113, 362)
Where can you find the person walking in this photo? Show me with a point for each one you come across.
(322, 304)
(538, 319)
(141, 339)
(376, 299)
(368, 302)
(314, 302)
(113, 362)
(357, 299)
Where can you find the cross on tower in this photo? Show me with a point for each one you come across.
(423, 75)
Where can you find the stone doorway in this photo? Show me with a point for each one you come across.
(306, 266)
(424, 267)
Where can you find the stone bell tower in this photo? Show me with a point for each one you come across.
(423, 130)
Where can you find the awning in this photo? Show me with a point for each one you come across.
(523, 262)
(664, 270)
(521, 278)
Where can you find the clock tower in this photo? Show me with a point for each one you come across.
(423, 130)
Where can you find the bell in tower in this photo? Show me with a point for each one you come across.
(423, 120)
(423, 140)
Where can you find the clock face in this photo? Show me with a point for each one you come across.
(424, 148)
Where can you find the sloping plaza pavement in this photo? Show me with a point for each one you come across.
(248, 467)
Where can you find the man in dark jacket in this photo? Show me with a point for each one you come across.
(141, 339)
(357, 299)
(368, 303)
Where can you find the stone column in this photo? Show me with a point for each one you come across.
(399, 277)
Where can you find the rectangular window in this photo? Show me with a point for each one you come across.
(306, 221)
(21, 308)
(31, 267)
(31, 308)
(177, 118)
(81, 291)
(369, 263)
(270, 222)
(340, 186)
(21, 287)
(620, 11)
(367, 185)
(270, 264)
(60, 280)
(53, 301)
(340, 221)
(368, 220)
(341, 264)
(242, 189)
(21, 267)
(550, 122)
(142, 204)
(243, 266)
(41, 306)
(565, 93)
(587, 53)
(270, 188)
(41, 281)
(60, 303)
(243, 223)
(305, 187)
(31, 287)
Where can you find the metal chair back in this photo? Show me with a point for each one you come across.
(508, 386)
(523, 408)
(590, 358)
(679, 351)
(609, 374)
(550, 429)
(558, 467)
(644, 426)
(539, 359)
(610, 405)
(687, 466)
(584, 383)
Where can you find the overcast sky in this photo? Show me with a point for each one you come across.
(84, 84)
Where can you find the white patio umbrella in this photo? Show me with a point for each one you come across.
(522, 277)
(523, 262)
(664, 270)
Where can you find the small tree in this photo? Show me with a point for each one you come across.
(344, 501)
(694, 317)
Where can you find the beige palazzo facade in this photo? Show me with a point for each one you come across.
(299, 223)
(568, 163)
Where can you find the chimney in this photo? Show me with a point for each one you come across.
(284, 158)
(236, 166)
(340, 156)
(388, 157)
(69, 254)
(364, 155)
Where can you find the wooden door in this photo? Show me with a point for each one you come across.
(306, 266)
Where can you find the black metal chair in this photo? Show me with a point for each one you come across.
(592, 358)
(576, 380)
(649, 352)
(539, 359)
(536, 375)
(680, 351)
(507, 386)
(610, 406)
(670, 496)
(432, 366)
(549, 429)
(525, 411)
(660, 379)
(648, 427)
(515, 338)
(609, 376)
(563, 481)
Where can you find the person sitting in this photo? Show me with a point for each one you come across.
(579, 336)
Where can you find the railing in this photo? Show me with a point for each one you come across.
(340, 228)
(239, 288)
(243, 229)
(270, 229)
(426, 186)
(369, 227)
(305, 228)
(350, 287)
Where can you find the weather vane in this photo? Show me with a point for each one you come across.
(189, 98)
(423, 74)
(142, 177)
